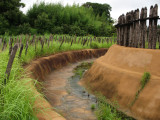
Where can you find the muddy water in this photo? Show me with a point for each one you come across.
(67, 96)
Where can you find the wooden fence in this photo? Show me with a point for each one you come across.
(23, 43)
(133, 30)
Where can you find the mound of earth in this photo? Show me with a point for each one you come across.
(117, 76)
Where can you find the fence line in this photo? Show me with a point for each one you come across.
(132, 30)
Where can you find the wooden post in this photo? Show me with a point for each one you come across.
(150, 37)
(82, 41)
(136, 28)
(10, 45)
(125, 30)
(79, 39)
(35, 44)
(145, 28)
(42, 43)
(118, 32)
(141, 28)
(33, 39)
(0, 41)
(21, 39)
(111, 39)
(85, 40)
(143, 17)
(90, 41)
(26, 48)
(61, 43)
(4, 44)
(10, 62)
(72, 42)
(122, 21)
(20, 52)
(107, 40)
(131, 30)
(155, 14)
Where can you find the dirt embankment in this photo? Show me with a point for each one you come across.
(43, 66)
(117, 75)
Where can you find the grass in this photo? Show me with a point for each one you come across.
(145, 79)
(109, 111)
(94, 45)
(80, 69)
(105, 111)
(16, 98)
(93, 107)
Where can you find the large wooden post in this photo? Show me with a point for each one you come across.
(155, 14)
(136, 28)
(150, 37)
(143, 17)
(126, 30)
(131, 29)
(10, 62)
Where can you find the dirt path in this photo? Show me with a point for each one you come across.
(67, 96)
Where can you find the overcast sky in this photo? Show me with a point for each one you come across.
(118, 6)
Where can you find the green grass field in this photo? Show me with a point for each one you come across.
(16, 98)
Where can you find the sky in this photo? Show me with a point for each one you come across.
(118, 6)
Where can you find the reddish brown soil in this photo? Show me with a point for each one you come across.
(41, 67)
(118, 74)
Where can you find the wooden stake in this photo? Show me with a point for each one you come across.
(10, 62)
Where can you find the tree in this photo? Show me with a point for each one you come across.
(99, 9)
(9, 9)
(3, 24)
(42, 23)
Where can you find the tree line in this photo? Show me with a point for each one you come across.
(43, 18)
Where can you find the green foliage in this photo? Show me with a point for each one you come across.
(93, 106)
(16, 98)
(75, 30)
(24, 28)
(3, 24)
(75, 19)
(100, 9)
(56, 18)
(145, 78)
(33, 31)
(10, 13)
(42, 23)
(105, 111)
(109, 111)
(94, 45)
(57, 30)
(80, 69)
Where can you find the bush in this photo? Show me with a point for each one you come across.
(94, 45)
(24, 28)
(33, 31)
(76, 30)
(93, 106)
(57, 30)
(42, 23)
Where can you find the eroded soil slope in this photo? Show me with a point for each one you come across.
(41, 67)
(117, 75)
